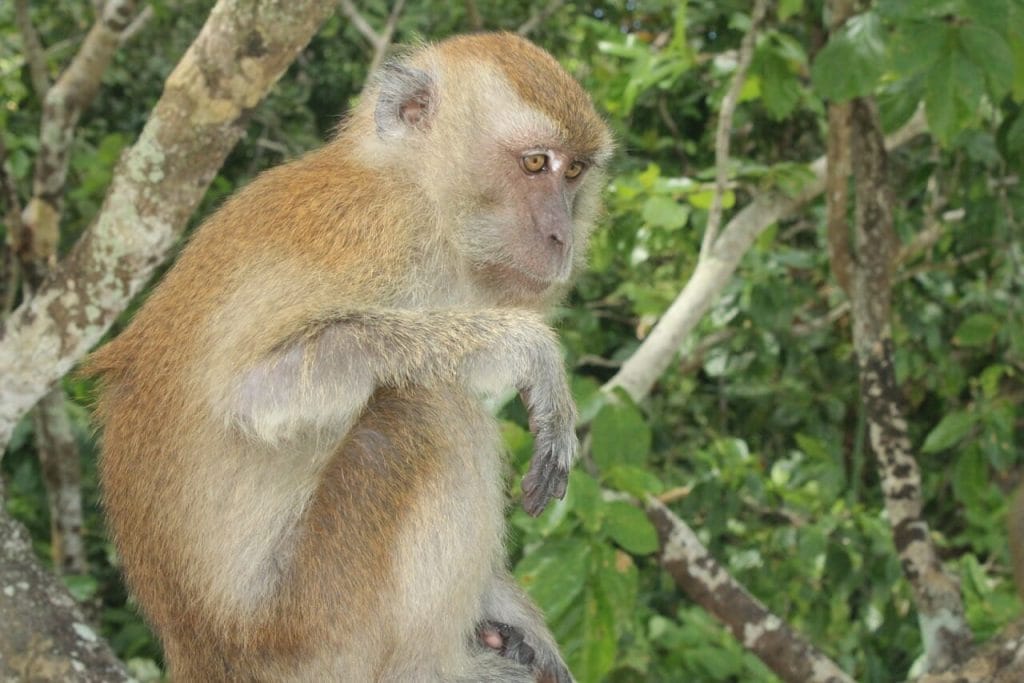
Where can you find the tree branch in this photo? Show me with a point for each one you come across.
(945, 632)
(348, 8)
(136, 26)
(63, 105)
(791, 656)
(242, 50)
(35, 55)
(724, 129)
(43, 634)
(386, 36)
(379, 41)
(640, 372)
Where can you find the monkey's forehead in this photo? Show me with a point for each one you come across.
(540, 82)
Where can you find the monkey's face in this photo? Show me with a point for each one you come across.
(527, 228)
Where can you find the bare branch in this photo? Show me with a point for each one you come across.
(724, 129)
(652, 358)
(786, 652)
(35, 55)
(64, 103)
(386, 36)
(348, 8)
(379, 41)
(138, 23)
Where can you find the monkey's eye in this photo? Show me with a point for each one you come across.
(535, 163)
(574, 170)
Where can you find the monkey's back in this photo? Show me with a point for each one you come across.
(175, 475)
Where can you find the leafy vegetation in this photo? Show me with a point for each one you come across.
(757, 436)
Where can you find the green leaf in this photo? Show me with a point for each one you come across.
(704, 198)
(82, 586)
(977, 330)
(584, 496)
(1017, 46)
(970, 476)
(853, 61)
(789, 8)
(665, 212)
(950, 430)
(633, 480)
(620, 435)
(992, 54)
(898, 103)
(954, 91)
(628, 526)
(518, 441)
(608, 603)
(596, 655)
(780, 89)
(916, 47)
(555, 574)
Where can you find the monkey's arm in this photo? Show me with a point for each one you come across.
(321, 378)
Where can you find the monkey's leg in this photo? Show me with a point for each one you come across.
(515, 628)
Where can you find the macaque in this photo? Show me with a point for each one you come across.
(298, 470)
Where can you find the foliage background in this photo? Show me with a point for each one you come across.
(757, 435)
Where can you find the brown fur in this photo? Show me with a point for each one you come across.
(297, 474)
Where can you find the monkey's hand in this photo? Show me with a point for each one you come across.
(510, 642)
(553, 423)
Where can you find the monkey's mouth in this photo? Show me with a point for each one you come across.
(555, 269)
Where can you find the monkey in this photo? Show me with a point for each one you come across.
(298, 469)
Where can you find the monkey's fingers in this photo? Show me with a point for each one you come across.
(546, 479)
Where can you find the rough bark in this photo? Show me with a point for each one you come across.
(241, 51)
(62, 107)
(37, 236)
(944, 628)
(837, 185)
(791, 656)
(1001, 660)
(43, 634)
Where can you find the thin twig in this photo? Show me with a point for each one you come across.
(138, 23)
(35, 55)
(357, 19)
(722, 133)
(535, 20)
(476, 22)
(379, 41)
(15, 231)
(384, 40)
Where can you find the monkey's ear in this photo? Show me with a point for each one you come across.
(406, 101)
